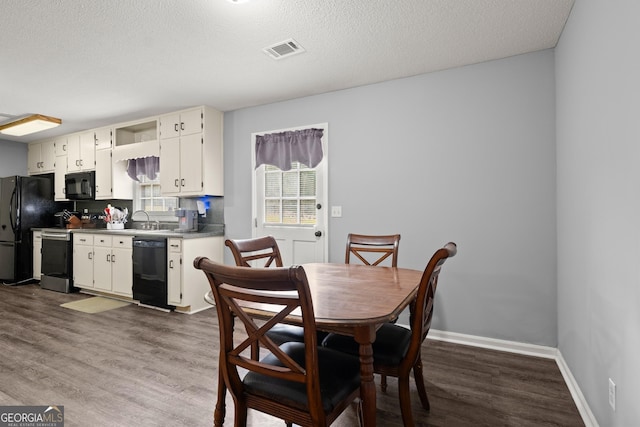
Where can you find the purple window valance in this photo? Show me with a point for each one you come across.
(281, 149)
(144, 166)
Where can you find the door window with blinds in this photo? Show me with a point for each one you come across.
(289, 191)
(290, 196)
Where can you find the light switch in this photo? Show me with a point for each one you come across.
(336, 211)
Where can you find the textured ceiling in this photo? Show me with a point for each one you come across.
(95, 62)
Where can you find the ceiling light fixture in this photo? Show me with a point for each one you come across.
(238, 1)
(29, 124)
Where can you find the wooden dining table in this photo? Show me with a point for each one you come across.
(353, 300)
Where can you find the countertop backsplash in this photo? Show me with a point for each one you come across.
(213, 218)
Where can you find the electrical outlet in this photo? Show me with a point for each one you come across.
(612, 394)
(336, 211)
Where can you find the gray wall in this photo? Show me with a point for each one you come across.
(598, 138)
(13, 158)
(466, 155)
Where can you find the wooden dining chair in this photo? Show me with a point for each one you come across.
(265, 250)
(259, 248)
(396, 350)
(372, 250)
(361, 246)
(301, 383)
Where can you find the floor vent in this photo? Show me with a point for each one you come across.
(284, 49)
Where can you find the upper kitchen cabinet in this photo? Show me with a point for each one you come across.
(41, 157)
(191, 153)
(81, 152)
(112, 181)
(181, 124)
(103, 138)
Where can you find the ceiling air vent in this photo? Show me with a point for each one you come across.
(284, 49)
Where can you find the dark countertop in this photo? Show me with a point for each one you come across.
(209, 231)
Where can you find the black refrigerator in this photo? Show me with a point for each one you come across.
(25, 202)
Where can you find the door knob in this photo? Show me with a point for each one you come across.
(318, 233)
(318, 206)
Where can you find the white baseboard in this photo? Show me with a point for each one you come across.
(587, 416)
(494, 344)
(528, 350)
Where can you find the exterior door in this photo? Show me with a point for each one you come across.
(291, 205)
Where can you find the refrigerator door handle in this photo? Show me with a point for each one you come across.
(15, 225)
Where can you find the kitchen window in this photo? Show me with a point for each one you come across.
(148, 197)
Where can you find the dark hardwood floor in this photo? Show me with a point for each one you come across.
(135, 366)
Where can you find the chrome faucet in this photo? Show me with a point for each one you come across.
(146, 226)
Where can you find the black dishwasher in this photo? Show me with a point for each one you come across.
(150, 271)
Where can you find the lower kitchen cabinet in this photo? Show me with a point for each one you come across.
(83, 260)
(37, 254)
(103, 263)
(122, 266)
(113, 266)
(187, 285)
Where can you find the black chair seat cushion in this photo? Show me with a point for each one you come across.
(389, 348)
(282, 333)
(339, 377)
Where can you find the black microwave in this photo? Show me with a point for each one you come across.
(80, 186)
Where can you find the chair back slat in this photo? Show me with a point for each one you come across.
(261, 248)
(371, 249)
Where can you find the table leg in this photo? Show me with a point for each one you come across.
(219, 413)
(365, 337)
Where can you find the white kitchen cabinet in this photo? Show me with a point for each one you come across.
(122, 266)
(183, 175)
(103, 174)
(113, 265)
(174, 273)
(60, 146)
(191, 153)
(37, 254)
(58, 178)
(81, 152)
(102, 262)
(103, 138)
(83, 260)
(112, 181)
(41, 157)
(186, 286)
(60, 169)
(181, 123)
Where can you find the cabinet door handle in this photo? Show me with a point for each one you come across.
(175, 127)
(170, 263)
(175, 183)
(108, 257)
(181, 125)
(182, 182)
(113, 258)
(90, 255)
(77, 162)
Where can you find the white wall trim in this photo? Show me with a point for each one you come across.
(583, 407)
(528, 350)
(495, 344)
